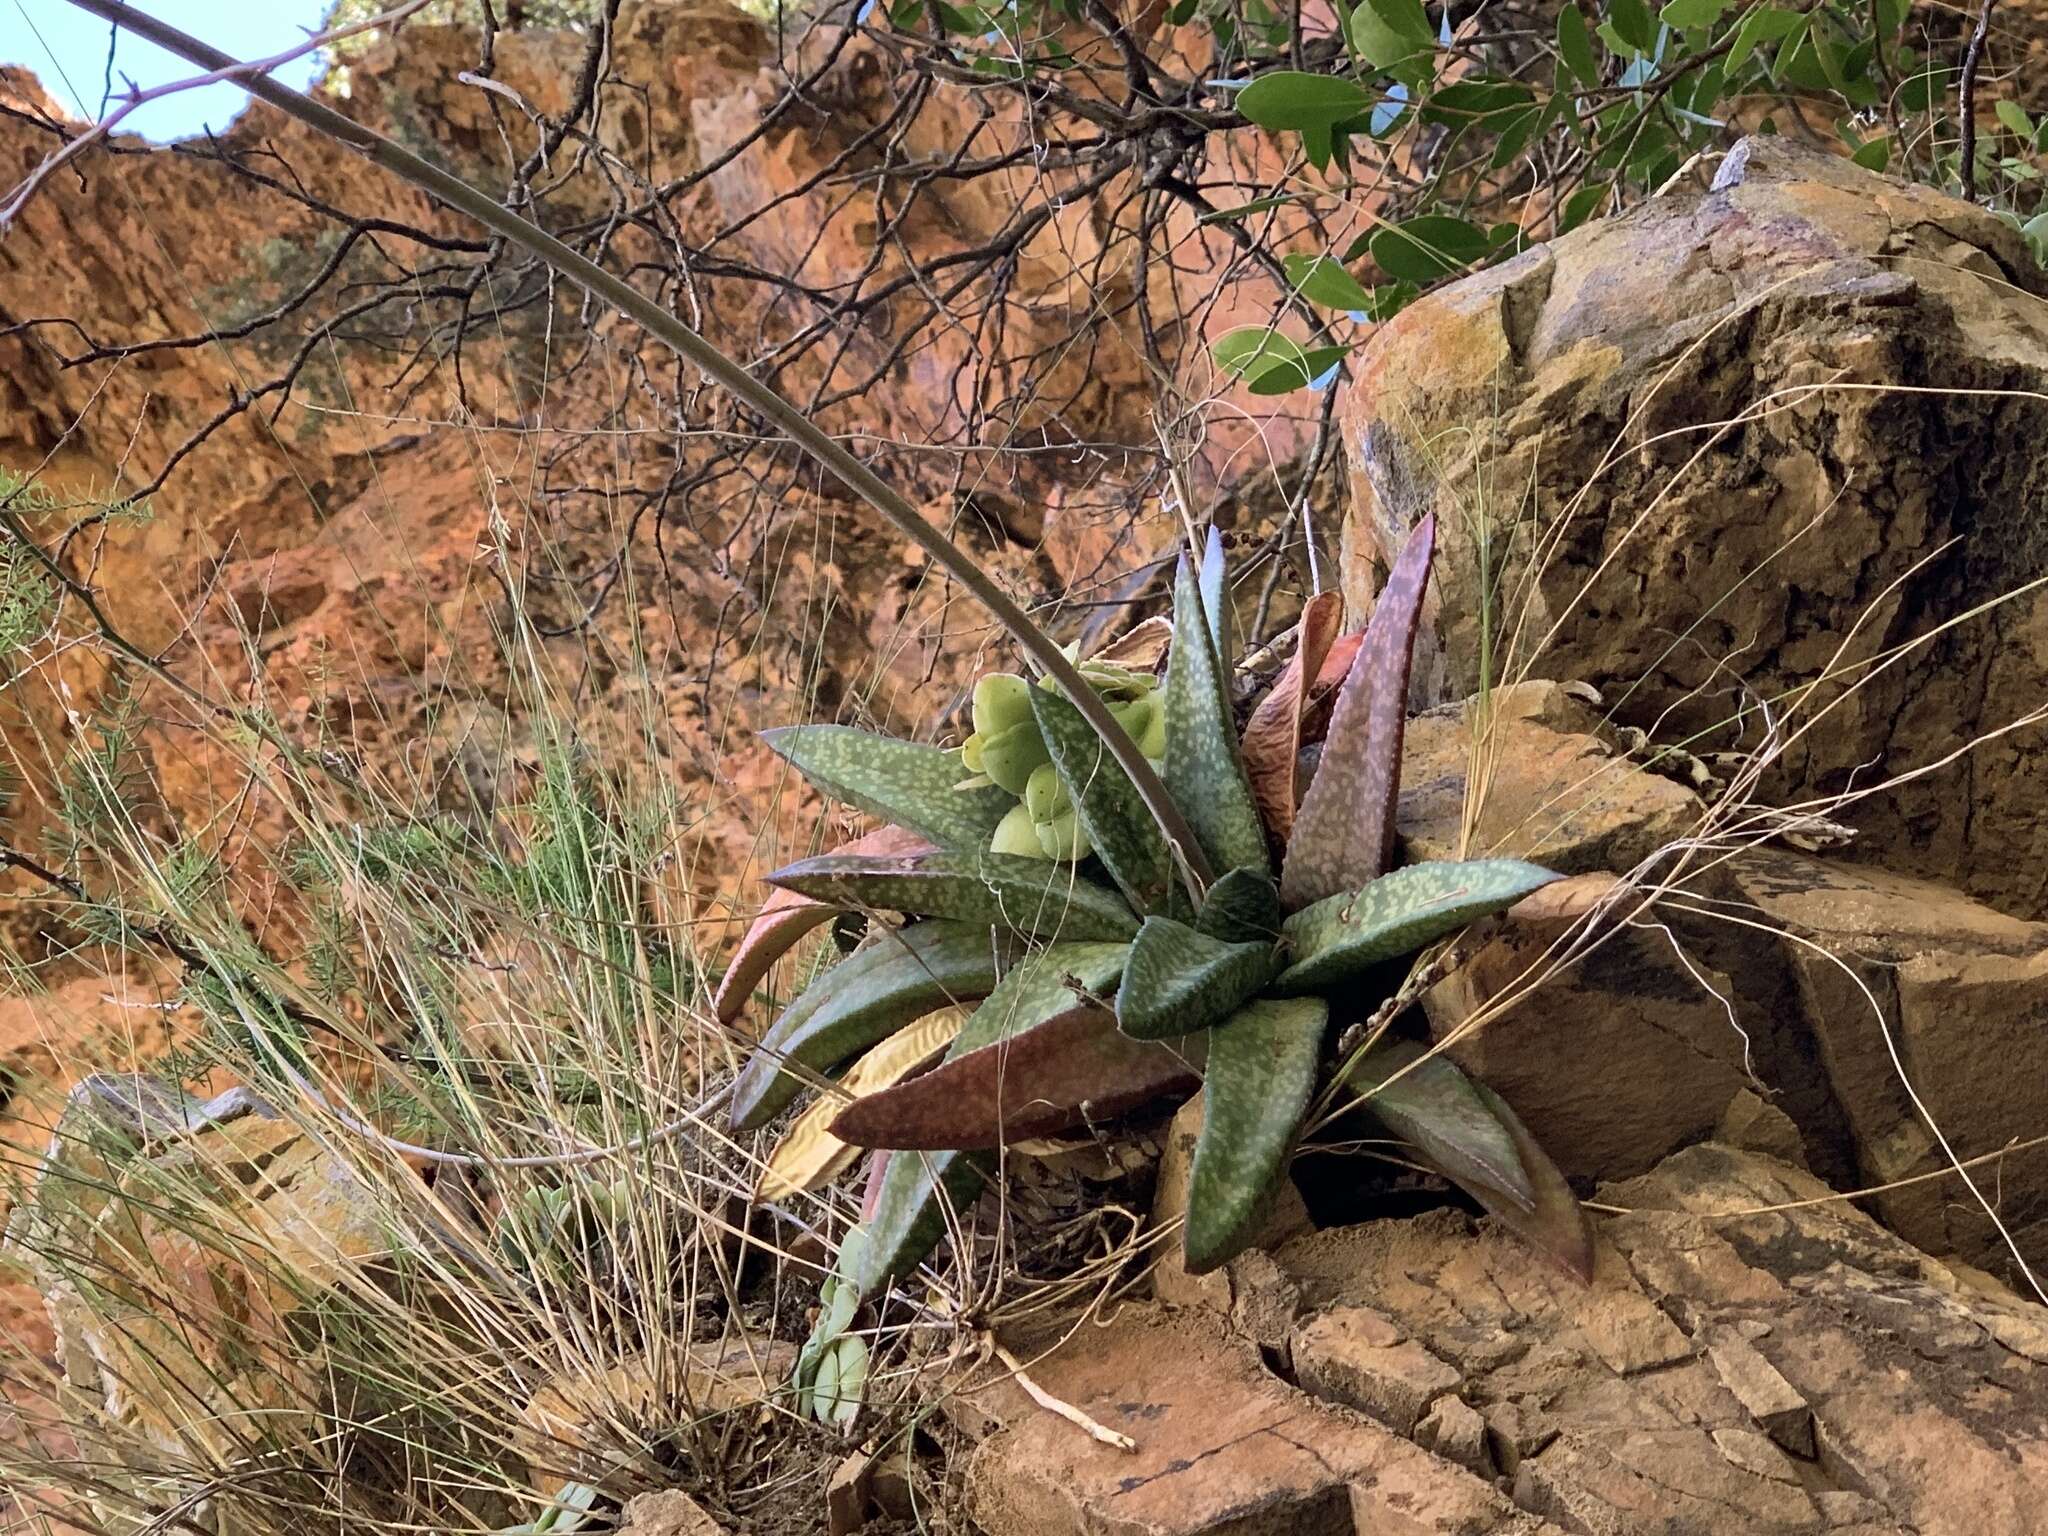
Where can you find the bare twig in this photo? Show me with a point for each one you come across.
(1973, 56)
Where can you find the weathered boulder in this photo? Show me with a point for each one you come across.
(1741, 471)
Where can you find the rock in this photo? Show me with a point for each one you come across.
(1224, 1449)
(1685, 572)
(848, 1493)
(1768, 1398)
(1736, 1311)
(1556, 790)
(1750, 1125)
(589, 1426)
(1454, 1430)
(1891, 975)
(1357, 1357)
(671, 1513)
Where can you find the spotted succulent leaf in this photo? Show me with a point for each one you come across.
(1397, 913)
(1178, 980)
(784, 919)
(1344, 831)
(1110, 811)
(919, 1187)
(894, 981)
(1242, 907)
(1202, 769)
(1255, 1088)
(1031, 896)
(1273, 736)
(1075, 1068)
(1467, 1133)
(1215, 585)
(905, 782)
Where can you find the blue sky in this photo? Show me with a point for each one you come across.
(67, 49)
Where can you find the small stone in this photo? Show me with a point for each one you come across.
(1630, 1333)
(1454, 1429)
(1357, 1357)
(1770, 1399)
(847, 1494)
(1514, 1432)
(1756, 1126)
(1755, 1453)
(671, 1513)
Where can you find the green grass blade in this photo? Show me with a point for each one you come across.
(1178, 981)
(1262, 1068)
(904, 782)
(862, 1000)
(1203, 771)
(1399, 913)
(1032, 896)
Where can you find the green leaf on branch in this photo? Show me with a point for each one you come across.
(1681, 14)
(1391, 35)
(1294, 100)
(904, 782)
(1032, 896)
(1398, 914)
(1178, 980)
(1323, 280)
(1488, 104)
(1575, 46)
(1427, 248)
(1631, 20)
(1270, 363)
(1261, 1070)
(864, 999)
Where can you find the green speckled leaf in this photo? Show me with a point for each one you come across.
(864, 999)
(1178, 981)
(1262, 1068)
(1031, 896)
(1202, 771)
(1124, 835)
(910, 1213)
(1467, 1133)
(1074, 1069)
(1343, 832)
(1242, 906)
(904, 782)
(1216, 595)
(1399, 913)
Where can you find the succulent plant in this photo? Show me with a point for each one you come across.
(1111, 972)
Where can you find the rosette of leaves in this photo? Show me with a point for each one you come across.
(1117, 977)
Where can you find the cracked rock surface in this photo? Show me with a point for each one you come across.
(1752, 1359)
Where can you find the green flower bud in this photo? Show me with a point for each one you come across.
(1045, 795)
(1017, 834)
(1062, 838)
(1009, 756)
(1001, 700)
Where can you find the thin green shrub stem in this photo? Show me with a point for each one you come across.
(658, 322)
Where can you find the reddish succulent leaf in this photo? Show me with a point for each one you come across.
(1322, 698)
(1344, 832)
(786, 917)
(1467, 1133)
(1272, 738)
(1076, 1068)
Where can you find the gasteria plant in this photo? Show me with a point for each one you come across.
(1105, 984)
